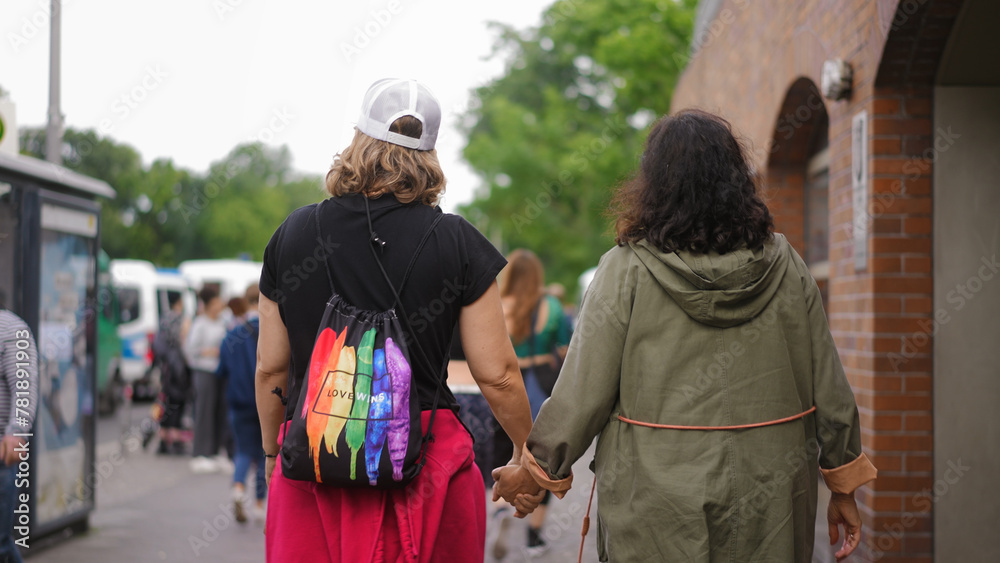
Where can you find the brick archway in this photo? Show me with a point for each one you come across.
(800, 132)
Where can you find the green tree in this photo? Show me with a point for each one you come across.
(167, 215)
(245, 197)
(131, 225)
(565, 123)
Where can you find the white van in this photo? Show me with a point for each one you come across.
(584, 280)
(144, 294)
(232, 277)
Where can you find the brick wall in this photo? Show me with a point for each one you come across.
(749, 67)
(897, 412)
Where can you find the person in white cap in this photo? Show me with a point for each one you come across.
(390, 171)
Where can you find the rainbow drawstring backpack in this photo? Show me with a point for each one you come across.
(356, 419)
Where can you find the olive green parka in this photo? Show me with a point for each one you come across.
(702, 340)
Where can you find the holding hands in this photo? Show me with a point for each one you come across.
(515, 485)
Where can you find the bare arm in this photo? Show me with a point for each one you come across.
(273, 355)
(494, 365)
(185, 327)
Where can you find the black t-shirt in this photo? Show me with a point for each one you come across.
(457, 352)
(456, 266)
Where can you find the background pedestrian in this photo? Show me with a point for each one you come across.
(202, 351)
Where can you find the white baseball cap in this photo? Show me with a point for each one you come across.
(391, 98)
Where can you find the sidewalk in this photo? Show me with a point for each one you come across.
(562, 527)
(152, 508)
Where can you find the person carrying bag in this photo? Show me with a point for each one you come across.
(367, 459)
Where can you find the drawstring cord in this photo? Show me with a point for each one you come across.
(586, 521)
(586, 518)
(734, 427)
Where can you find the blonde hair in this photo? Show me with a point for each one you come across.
(524, 280)
(373, 168)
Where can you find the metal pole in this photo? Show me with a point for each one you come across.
(54, 130)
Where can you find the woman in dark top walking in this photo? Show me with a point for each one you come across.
(391, 171)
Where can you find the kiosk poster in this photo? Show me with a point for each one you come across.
(66, 362)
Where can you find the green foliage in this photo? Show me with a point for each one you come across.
(167, 215)
(565, 124)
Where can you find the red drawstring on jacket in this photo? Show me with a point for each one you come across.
(734, 427)
(586, 521)
(586, 518)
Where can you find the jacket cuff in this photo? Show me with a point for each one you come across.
(848, 477)
(557, 486)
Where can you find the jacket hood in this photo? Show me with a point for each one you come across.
(720, 290)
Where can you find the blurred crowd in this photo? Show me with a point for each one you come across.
(206, 407)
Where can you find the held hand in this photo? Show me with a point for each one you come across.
(269, 463)
(515, 485)
(843, 511)
(8, 449)
(525, 504)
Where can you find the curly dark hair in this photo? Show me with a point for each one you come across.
(694, 190)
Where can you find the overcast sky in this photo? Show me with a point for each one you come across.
(190, 79)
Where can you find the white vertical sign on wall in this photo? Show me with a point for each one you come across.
(859, 185)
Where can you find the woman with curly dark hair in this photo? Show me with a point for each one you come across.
(704, 363)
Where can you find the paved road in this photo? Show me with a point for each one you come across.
(152, 508)
(562, 525)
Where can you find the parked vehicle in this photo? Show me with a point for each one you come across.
(109, 344)
(232, 277)
(144, 293)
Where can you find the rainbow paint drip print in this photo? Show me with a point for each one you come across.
(363, 394)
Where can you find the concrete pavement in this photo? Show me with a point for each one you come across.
(562, 525)
(152, 508)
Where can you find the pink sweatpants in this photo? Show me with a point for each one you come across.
(440, 516)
